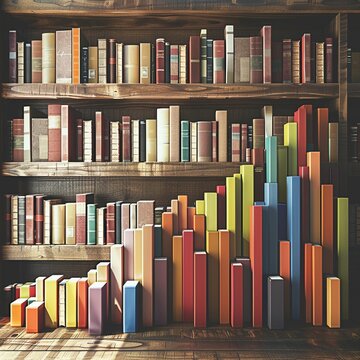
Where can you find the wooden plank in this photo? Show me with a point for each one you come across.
(55, 252)
(171, 91)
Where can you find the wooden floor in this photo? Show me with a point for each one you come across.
(182, 342)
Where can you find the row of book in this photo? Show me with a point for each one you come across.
(354, 143)
(64, 57)
(65, 136)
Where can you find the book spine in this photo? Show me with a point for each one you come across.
(329, 60)
(76, 56)
(79, 140)
(114, 141)
(131, 64)
(84, 65)
(174, 112)
(194, 59)
(214, 141)
(14, 219)
(88, 141)
(93, 74)
(259, 133)
(151, 140)
(209, 61)
(290, 140)
(287, 45)
(100, 136)
(102, 61)
(58, 224)
(219, 62)
(224, 276)
(81, 206)
(305, 58)
(174, 64)
(193, 141)
(222, 141)
(182, 64)
(116, 277)
(20, 62)
(48, 58)
(63, 61)
(163, 135)
(266, 52)
(203, 55)
(118, 232)
(112, 60)
(200, 289)
(66, 129)
(110, 223)
(256, 60)
(142, 140)
(185, 141)
(295, 62)
(101, 226)
(183, 202)
(119, 63)
(131, 310)
(18, 139)
(27, 134)
(145, 63)
(91, 224)
(177, 296)
(70, 222)
(39, 219)
(242, 60)
(204, 141)
(152, 64)
(349, 65)
(28, 68)
(12, 56)
(126, 138)
(21, 219)
(160, 61)
(7, 218)
(320, 63)
(244, 145)
(135, 140)
(229, 54)
(188, 275)
(333, 302)
(167, 62)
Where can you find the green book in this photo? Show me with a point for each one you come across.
(91, 224)
(271, 159)
(185, 140)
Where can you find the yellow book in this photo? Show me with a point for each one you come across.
(25, 290)
(71, 302)
(231, 214)
(238, 213)
(92, 277)
(290, 140)
(212, 249)
(70, 219)
(210, 199)
(40, 288)
(200, 207)
(52, 301)
(177, 278)
(282, 160)
(138, 255)
(151, 143)
(247, 179)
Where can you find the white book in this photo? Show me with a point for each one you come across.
(135, 148)
(193, 141)
(62, 297)
(163, 135)
(151, 144)
(229, 54)
(114, 141)
(100, 225)
(119, 63)
(174, 114)
(27, 134)
(133, 221)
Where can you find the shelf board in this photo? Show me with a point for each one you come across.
(354, 90)
(55, 252)
(169, 91)
(190, 169)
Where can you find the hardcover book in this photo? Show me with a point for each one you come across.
(48, 58)
(36, 61)
(242, 60)
(63, 57)
(102, 61)
(131, 64)
(219, 61)
(194, 59)
(256, 60)
(39, 139)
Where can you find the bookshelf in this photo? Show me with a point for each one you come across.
(144, 23)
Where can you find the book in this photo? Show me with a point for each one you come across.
(203, 55)
(131, 306)
(21, 211)
(259, 133)
(142, 140)
(174, 64)
(119, 63)
(287, 52)
(256, 60)
(52, 301)
(214, 141)
(193, 141)
(229, 54)
(39, 139)
(116, 277)
(204, 141)
(30, 219)
(160, 291)
(70, 221)
(218, 61)
(17, 312)
(39, 219)
(333, 302)
(221, 119)
(68, 134)
(174, 132)
(167, 62)
(88, 141)
(177, 278)
(79, 139)
(305, 58)
(14, 220)
(71, 296)
(28, 67)
(48, 219)
(160, 61)
(235, 142)
(12, 56)
(301, 120)
(163, 135)
(84, 65)
(18, 140)
(126, 138)
(145, 63)
(135, 140)
(93, 74)
(115, 141)
(81, 213)
(244, 141)
(265, 33)
(102, 61)
(27, 134)
(188, 275)
(151, 145)
(185, 143)
(295, 62)
(131, 64)
(291, 141)
(58, 224)
(110, 223)
(20, 62)
(278, 128)
(329, 77)
(194, 59)
(36, 61)
(63, 61)
(101, 225)
(54, 133)
(209, 60)
(112, 60)
(267, 114)
(75, 45)
(35, 317)
(320, 62)
(145, 212)
(242, 60)
(133, 217)
(97, 302)
(182, 64)
(91, 224)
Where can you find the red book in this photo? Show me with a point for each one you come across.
(305, 58)
(18, 139)
(32, 290)
(36, 59)
(82, 302)
(39, 219)
(190, 217)
(81, 213)
(54, 133)
(287, 60)
(110, 223)
(221, 204)
(30, 220)
(219, 61)
(7, 216)
(244, 143)
(237, 295)
(258, 160)
(126, 138)
(214, 141)
(200, 281)
(300, 119)
(235, 142)
(102, 137)
(329, 60)
(188, 275)
(305, 193)
(12, 56)
(194, 59)
(68, 145)
(256, 225)
(256, 60)
(79, 139)
(266, 43)
(112, 60)
(323, 134)
(160, 61)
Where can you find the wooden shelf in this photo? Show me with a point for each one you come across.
(169, 91)
(212, 169)
(55, 252)
(354, 90)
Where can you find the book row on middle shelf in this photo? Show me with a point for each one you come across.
(63, 135)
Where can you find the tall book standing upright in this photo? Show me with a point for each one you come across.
(229, 54)
(266, 53)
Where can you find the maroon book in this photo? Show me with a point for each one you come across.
(287, 60)
(30, 220)
(12, 56)
(221, 206)
(126, 138)
(18, 139)
(219, 61)
(306, 58)
(102, 137)
(54, 133)
(81, 214)
(160, 61)
(266, 43)
(7, 218)
(244, 142)
(112, 60)
(68, 144)
(79, 139)
(276, 62)
(194, 59)
(256, 60)
(110, 223)
(214, 141)
(39, 219)
(329, 60)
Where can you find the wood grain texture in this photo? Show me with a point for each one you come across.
(170, 91)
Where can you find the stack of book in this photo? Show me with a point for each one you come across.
(65, 57)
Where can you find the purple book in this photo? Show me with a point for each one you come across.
(97, 308)
(160, 291)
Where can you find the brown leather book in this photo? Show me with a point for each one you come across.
(265, 33)
(39, 139)
(30, 220)
(68, 134)
(242, 59)
(112, 60)
(131, 64)
(204, 141)
(194, 59)
(39, 219)
(329, 76)
(295, 62)
(102, 137)
(219, 62)
(18, 139)
(306, 58)
(110, 223)
(54, 133)
(174, 64)
(145, 63)
(63, 57)
(81, 213)
(256, 60)
(160, 61)
(259, 133)
(12, 56)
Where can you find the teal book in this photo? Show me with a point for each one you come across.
(91, 224)
(185, 140)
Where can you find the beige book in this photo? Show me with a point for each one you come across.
(92, 276)
(221, 118)
(114, 141)
(47, 218)
(145, 63)
(135, 150)
(295, 62)
(174, 112)
(193, 141)
(70, 220)
(182, 64)
(14, 220)
(20, 62)
(102, 61)
(163, 135)
(58, 224)
(150, 140)
(131, 64)
(88, 141)
(119, 63)
(40, 288)
(133, 217)
(93, 65)
(48, 58)
(267, 114)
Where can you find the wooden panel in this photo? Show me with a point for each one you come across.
(170, 91)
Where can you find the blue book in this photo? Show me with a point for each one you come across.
(185, 140)
(131, 306)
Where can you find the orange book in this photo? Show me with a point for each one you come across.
(182, 220)
(285, 274)
(190, 217)
(317, 290)
(224, 276)
(76, 55)
(35, 317)
(175, 212)
(313, 162)
(308, 282)
(199, 232)
(82, 301)
(327, 228)
(167, 223)
(17, 312)
(177, 278)
(333, 302)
